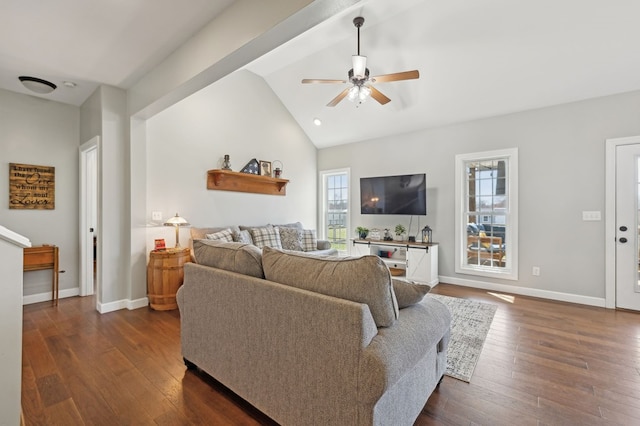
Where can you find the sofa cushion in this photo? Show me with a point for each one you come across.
(224, 235)
(309, 240)
(267, 236)
(363, 279)
(291, 238)
(235, 257)
(409, 293)
(200, 233)
(243, 236)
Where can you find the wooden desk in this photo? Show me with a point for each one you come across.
(43, 257)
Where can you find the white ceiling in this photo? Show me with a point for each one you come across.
(113, 42)
(477, 58)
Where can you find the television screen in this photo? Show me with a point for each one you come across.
(405, 194)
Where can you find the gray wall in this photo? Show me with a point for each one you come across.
(561, 174)
(104, 114)
(41, 132)
(240, 116)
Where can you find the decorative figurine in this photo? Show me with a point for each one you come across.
(226, 164)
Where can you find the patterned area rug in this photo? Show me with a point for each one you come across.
(470, 324)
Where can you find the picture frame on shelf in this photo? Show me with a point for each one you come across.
(265, 168)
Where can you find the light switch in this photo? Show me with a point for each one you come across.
(156, 215)
(591, 216)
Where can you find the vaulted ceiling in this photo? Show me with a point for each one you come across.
(477, 58)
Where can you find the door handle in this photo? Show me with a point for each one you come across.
(623, 228)
(623, 240)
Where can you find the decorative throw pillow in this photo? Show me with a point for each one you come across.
(224, 235)
(363, 279)
(200, 233)
(235, 257)
(268, 236)
(296, 225)
(243, 236)
(291, 239)
(409, 293)
(309, 240)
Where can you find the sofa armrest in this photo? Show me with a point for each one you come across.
(395, 350)
(324, 244)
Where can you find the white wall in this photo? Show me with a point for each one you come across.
(41, 132)
(240, 116)
(10, 328)
(104, 114)
(561, 174)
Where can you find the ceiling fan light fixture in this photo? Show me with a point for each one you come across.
(37, 85)
(353, 94)
(364, 93)
(358, 94)
(359, 66)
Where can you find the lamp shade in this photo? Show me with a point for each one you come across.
(177, 222)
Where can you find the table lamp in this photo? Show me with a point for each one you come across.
(177, 222)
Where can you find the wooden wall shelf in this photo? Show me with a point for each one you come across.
(226, 180)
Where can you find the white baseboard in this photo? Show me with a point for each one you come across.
(526, 291)
(103, 308)
(48, 296)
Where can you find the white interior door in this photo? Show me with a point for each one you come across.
(627, 226)
(88, 214)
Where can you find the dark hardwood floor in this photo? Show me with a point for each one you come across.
(543, 363)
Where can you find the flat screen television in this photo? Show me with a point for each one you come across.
(404, 194)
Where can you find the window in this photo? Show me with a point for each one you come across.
(335, 208)
(486, 214)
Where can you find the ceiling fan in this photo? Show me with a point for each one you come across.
(361, 87)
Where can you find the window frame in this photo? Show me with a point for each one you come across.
(323, 205)
(510, 270)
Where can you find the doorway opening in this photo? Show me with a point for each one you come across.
(89, 217)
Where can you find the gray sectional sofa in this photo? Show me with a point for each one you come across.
(312, 340)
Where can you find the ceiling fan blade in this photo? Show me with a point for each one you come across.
(319, 80)
(378, 96)
(405, 75)
(338, 98)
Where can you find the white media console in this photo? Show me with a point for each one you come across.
(415, 261)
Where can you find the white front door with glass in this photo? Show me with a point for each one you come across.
(627, 226)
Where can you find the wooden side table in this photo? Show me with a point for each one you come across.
(165, 274)
(43, 257)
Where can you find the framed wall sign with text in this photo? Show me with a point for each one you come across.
(32, 187)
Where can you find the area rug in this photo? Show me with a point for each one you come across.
(470, 323)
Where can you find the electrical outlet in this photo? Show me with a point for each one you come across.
(535, 271)
(156, 215)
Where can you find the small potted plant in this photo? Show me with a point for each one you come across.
(362, 232)
(400, 230)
